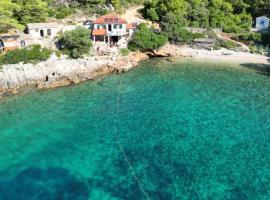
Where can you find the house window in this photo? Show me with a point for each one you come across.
(120, 26)
(98, 26)
(262, 22)
(49, 32)
(115, 26)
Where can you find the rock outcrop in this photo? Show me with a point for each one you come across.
(58, 72)
(171, 50)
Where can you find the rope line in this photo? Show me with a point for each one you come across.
(122, 150)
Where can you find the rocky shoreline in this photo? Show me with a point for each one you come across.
(59, 72)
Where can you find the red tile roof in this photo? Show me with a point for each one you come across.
(99, 32)
(110, 19)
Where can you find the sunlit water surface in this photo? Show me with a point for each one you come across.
(190, 130)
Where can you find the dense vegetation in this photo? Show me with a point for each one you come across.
(146, 39)
(225, 44)
(230, 15)
(75, 43)
(253, 38)
(172, 27)
(31, 54)
(201, 13)
(124, 52)
(258, 42)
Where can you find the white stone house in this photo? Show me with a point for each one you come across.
(110, 29)
(43, 30)
(44, 33)
(262, 23)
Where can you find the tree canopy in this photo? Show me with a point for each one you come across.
(230, 15)
(75, 43)
(7, 8)
(172, 27)
(31, 11)
(146, 40)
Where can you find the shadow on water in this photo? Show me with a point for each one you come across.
(163, 178)
(117, 181)
(46, 184)
(263, 69)
(157, 175)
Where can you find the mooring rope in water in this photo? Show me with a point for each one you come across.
(122, 150)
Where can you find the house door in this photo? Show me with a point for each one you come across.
(110, 27)
(22, 43)
(42, 33)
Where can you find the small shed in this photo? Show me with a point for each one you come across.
(10, 42)
(262, 23)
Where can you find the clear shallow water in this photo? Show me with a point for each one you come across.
(191, 131)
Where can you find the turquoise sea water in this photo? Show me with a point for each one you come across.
(191, 131)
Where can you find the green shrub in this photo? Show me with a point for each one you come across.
(236, 23)
(198, 35)
(152, 14)
(249, 38)
(145, 39)
(75, 43)
(217, 47)
(124, 52)
(225, 44)
(31, 54)
(63, 12)
(257, 39)
(210, 34)
(260, 49)
(58, 54)
(60, 12)
(183, 35)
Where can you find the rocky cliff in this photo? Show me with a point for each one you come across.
(57, 72)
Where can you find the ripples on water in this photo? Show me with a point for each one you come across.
(190, 130)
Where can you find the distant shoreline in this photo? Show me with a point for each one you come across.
(235, 57)
(222, 55)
